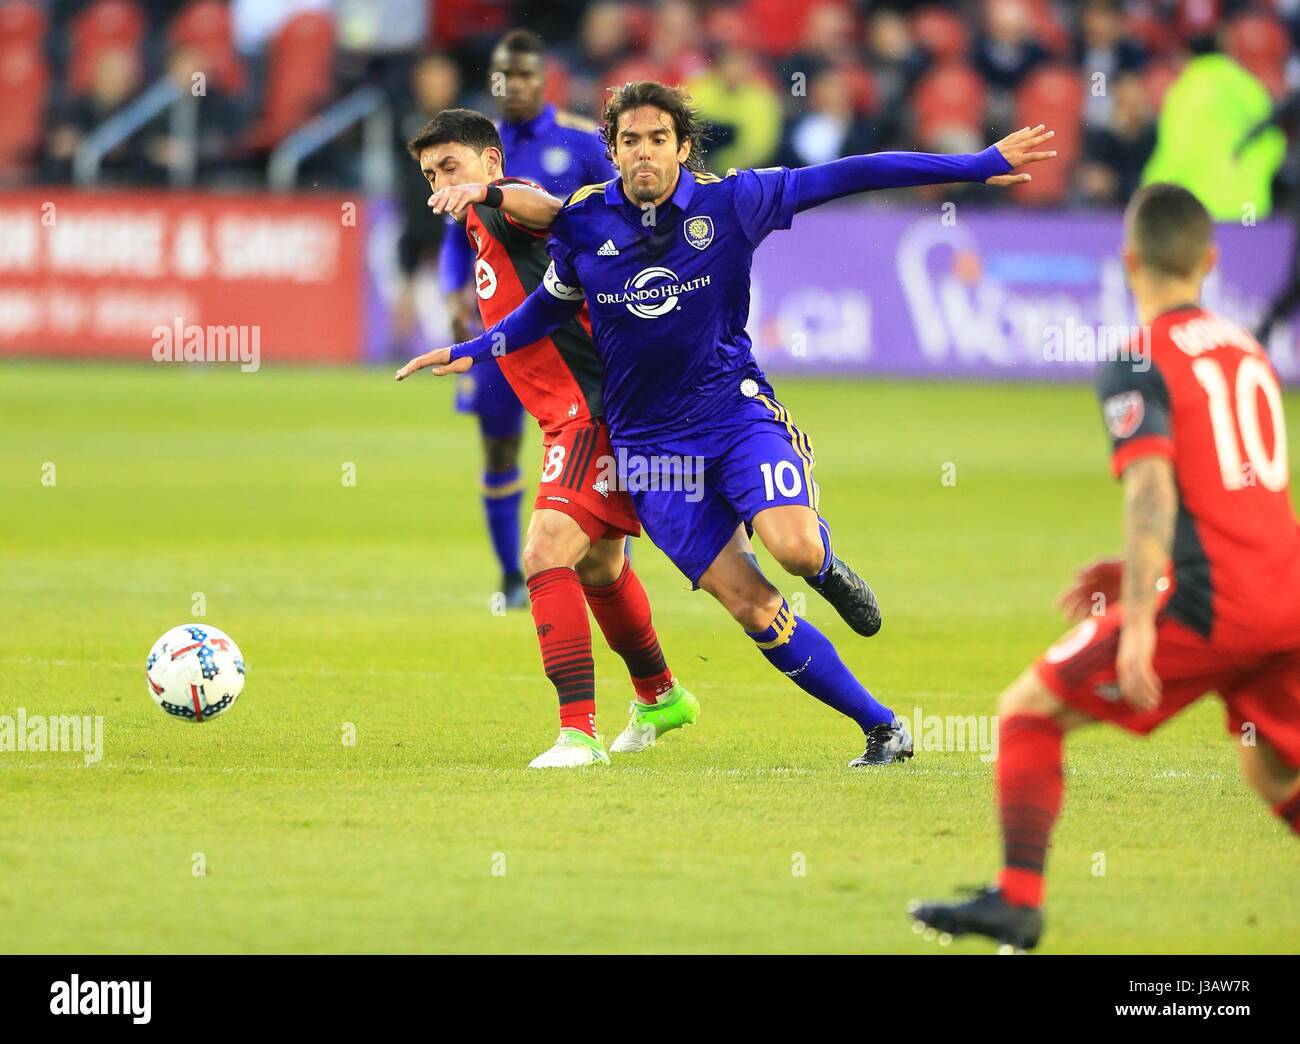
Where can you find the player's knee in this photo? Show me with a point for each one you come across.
(1028, 695)
(800, 553)
(597, 570)
(545, 551)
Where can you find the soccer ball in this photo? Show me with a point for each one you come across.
(195, 672)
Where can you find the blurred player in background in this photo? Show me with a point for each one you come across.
(574, 557)
(1200, 442)
(435, 85)
(661, 255)
(560, 152)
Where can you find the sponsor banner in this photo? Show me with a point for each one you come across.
(140, 275)
(997, 294)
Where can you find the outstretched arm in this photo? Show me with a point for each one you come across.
(544, 311)
(532, 207)
(994, 166)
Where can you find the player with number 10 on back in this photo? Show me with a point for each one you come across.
(1195, 420)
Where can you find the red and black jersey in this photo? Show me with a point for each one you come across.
(1205, 396)
(558, 379)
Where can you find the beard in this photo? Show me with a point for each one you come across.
(645, 192)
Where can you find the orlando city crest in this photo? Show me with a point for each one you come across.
(699, 231)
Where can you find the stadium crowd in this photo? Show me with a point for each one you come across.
(781, 81)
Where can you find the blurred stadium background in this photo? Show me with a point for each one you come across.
(241, 163)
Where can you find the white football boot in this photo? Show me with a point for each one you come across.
(573, 749)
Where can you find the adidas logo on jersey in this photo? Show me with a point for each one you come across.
(601, 486)
(608, 249)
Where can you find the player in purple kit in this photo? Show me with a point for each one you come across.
(662, 256)
(561, 152)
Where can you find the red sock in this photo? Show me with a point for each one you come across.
(623, 612)
(1289, 811)
(1029, 799)
(564, 633)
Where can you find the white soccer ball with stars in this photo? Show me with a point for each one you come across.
(195, 672)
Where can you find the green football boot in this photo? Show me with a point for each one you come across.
(675, 708)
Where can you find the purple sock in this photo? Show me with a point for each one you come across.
(502, 494)
(804, 655)
(824, 531)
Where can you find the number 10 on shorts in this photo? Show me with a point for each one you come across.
(783, 478)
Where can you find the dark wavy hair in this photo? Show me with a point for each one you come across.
(672, 100)
(461, 127)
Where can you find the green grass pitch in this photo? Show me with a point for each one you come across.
(368, 605)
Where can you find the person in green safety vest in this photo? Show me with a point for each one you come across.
(1207, 112)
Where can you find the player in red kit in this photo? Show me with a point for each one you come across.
(574, 555)
(1207, 596)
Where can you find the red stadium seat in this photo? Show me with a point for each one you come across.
(1259, 43)
(866, 94)
(1157, 79)
(940, 32)
(779, 24)
(640, 25)
(1053, 95)
(22, 24)
(205, 26)
(458, 21)
(950, 97)
(1050, 32)
(1157, 35)
(106, 25)
(728, 27)
(559, 84)
(24, 81)
(300, 80)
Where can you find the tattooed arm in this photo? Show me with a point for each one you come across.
(1150, 510)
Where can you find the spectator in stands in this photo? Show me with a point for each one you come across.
(217, 118)
(828, 39)
(606, 37)
(116, 81)
(1006, 51)
(435, 85)
(604, 43)
(896, 63)
(1102, 47)
(742, 108)
(1115, 153)
(379, 42)
(830, 127)
(677, 43)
